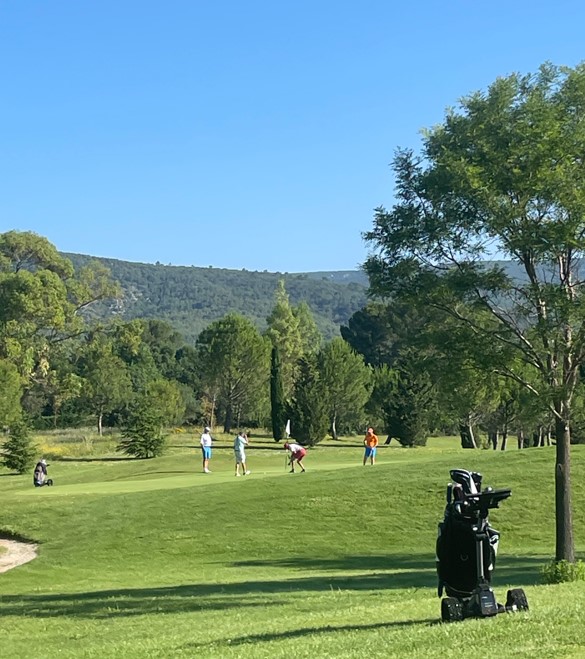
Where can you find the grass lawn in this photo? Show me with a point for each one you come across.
(155, 559)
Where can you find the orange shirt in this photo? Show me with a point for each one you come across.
(371, 440)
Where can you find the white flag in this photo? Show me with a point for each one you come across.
(287, 429)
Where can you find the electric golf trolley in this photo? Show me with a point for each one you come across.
(466, 551)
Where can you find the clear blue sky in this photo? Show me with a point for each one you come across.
(240, 134)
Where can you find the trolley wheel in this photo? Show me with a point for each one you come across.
(451, 609)
(516, 598)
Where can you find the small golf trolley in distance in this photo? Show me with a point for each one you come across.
(466, 551)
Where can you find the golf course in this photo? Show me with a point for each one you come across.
(153, 558)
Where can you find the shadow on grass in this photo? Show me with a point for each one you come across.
(310, 631)
(418, 571)
(402, 572)
(112, 459)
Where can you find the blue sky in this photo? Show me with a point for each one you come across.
(252, 134)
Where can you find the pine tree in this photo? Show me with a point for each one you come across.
(142, 435)
(19, 451)
(277, 402)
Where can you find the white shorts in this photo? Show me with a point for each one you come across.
(240, 457)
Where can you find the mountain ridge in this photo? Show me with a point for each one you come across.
(192, 297)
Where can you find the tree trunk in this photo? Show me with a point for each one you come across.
(520, 437)
(100, 423)
(493, 437)
(212, 412)
(334, 428)
(504, 440)
(227, 425)
(565, 546)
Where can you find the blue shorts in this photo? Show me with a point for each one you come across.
(370, 452)
(206, 450)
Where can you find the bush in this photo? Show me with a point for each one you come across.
(563, 571)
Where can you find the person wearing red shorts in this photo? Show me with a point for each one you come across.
(297, 453)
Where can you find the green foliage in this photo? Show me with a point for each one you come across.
(409, 402)
(277, 401)
(41, 297)
(234, 363)
(107, 384)
(166, 399)
(308, 408)
(285, 334)
(563, 571)
(374, 332)
(503, 173)
(311, 338)
(19, 450)
(347, 383)
(11, 388)
(142, 435)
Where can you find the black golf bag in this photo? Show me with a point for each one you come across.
(40, 475)
(467, 548)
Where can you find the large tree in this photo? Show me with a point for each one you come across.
(502, 175)
(347, 383)
(43, 303)
(107, 386)
(284, 333)
(234, 366)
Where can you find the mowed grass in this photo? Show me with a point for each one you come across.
(155, 559)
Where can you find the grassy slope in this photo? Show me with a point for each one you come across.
(154, 559)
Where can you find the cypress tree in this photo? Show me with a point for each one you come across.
(309, 415)
(277, 402)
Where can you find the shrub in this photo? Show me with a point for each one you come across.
(563, 571)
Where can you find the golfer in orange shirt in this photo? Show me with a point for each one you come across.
(370, 442)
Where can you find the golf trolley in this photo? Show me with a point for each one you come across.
(466, 551)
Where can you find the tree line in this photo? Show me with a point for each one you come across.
(407, 368)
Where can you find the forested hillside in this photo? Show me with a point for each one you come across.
(192, 297)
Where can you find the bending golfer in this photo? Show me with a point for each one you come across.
(297, 452)
(370, 442)
(240, 443)
(206, 442)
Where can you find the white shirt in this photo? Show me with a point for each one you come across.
(294, 448)
(239, 443)
(206, 439)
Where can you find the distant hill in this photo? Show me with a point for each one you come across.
(190, 297)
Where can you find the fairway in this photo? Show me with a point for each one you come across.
(153, 558)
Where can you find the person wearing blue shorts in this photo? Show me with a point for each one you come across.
(370, 442)
(206, 442)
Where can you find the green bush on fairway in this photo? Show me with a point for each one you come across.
(155, 559)
(562, 571)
